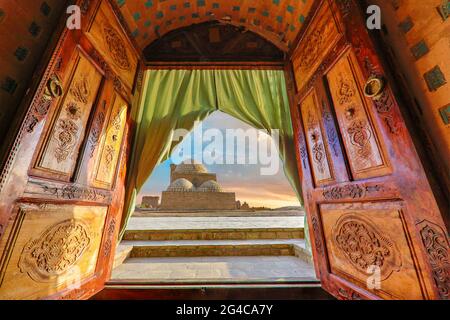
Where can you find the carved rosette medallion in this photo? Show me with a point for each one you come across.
(56, 251)
(365, 246)
(116, 47)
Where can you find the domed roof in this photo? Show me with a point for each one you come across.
(210, 186)
(190, 166)
(181, 185)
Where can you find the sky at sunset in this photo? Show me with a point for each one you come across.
(272, 191)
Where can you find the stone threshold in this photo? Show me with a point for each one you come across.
(216, 283)
(215, 234)
(124, 284)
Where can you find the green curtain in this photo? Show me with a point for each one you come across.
(173, 99)
(177, 98)
(259, 98)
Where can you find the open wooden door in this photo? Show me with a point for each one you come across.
(375, 226)
(62, 188)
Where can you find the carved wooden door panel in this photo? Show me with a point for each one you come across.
(376, 229)
(63, 187)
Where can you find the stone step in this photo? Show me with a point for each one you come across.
(123, 252)
(218, 270)
(215, 234)
(205, 248)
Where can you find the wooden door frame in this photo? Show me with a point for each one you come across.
(50, 60)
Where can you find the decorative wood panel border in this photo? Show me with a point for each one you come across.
(9, 243)
(436, 246)
(348, 232)
(60, 191)
(323, 171)
(32, 265)
(319, 39)
(62, 141)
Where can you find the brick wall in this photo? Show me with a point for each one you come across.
(150, 202)
(198, 200)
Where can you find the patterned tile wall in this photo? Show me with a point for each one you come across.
(25, 28)
(150, 19)
(418, 34)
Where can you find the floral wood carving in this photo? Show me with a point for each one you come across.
(345, 6)
(85, 6)
(360, 135)
(314, 43)
(318, 151)
(110, 236)
(347, 294)
(319, 156)
(346, 90)
(52, 90)
(66, 138)
(364, 245)
(56, 251)
(109, 73)
(437, 248)
(116, 47)
(303, 155)
(317, 236)
(109, 149)
(384, 106)
(97, 129)
(353, 191)
(109, 156)
(80, 90)
(73, 112)
(329, 124)
(38, 113)
(71, 192)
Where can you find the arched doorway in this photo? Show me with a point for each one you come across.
(68, 157)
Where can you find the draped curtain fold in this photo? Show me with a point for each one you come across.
(172, 99)
(175, 99)
(259, 98)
